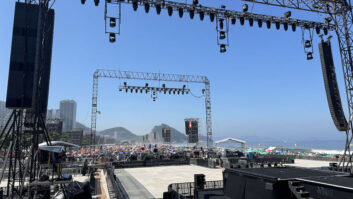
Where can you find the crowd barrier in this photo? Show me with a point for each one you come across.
(150, 163)
(187, 190)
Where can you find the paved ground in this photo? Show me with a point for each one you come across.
(309, 163)
(151, 182)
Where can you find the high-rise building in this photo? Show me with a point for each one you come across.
(68, 114)
(4, 114)
(53, 114)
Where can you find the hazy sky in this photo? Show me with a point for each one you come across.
(263, 86)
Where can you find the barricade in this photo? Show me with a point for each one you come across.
(186, 190)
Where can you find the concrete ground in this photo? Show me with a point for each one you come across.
(151, 182)
(309, 163)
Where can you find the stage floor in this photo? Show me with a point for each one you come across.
(151, 182)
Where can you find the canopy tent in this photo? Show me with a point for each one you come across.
(54, 149)
(231, 140)
(60, 143)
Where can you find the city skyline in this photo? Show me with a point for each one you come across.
(262, 86)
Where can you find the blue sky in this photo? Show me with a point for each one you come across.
(263, 86)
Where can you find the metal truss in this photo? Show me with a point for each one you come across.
(219, 13)
(117, 74)
(340, 11)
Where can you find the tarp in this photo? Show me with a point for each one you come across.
(55, 149)
(60, 143)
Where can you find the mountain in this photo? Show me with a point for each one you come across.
(176, 136)
(120, 134)
(82, 126)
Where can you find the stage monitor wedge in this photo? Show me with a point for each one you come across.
(26, 55)
(331, 86)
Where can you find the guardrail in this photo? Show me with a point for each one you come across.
(187, 189)
(150, 163)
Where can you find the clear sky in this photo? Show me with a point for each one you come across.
(263, 86)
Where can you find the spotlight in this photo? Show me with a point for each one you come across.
(192, 13)
(287, 14)
(251, 22)
(112, 37)
(165, 92)
(307, 44)
(294, 27)
(268, 24)
(83, 2)
(203, 91)
(120, 89)
(134, 5)
(158, 9)
(222, 35)
(241, 20)
(170, 11)
(96, 2)
(112, 22)
(147, 7)
(146, 85)
(221, 24)
(181, 12)
(146, 90)
(328, 20)
(184, 87)
(126, 90)
(173, 91)
(222, 48)
(182, 92)
(163, 85)
(131, 90)
(195, 2)
(141, 90)
(186, 92)
(317, 29)
(233, 20)
(259, 23)
(278, 25)
(137, 90)
(124, 83)
(211, 16)
(170, 91)
(309, 56)
(202, 15)
(325, 31)
(178, 91)
(285, 26)
(245, 7)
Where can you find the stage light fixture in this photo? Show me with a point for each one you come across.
(141, 90)
(259, 23)
(170, 91)
(120, 89)
(131, 90)
(112, 22)
(126, 90)
(317, 29)
(170, 11)
(287, 14)
(136, 90)
(158, 9)
(163, 85)
(146, 91)
(147, 7)
(178, 91)
(328, 20)
(203, 91)
(294, 27)
(309, 56)
(186, 92)
(307, 44)
(195, 2)
(83, 2)
(245, 7)
(222, 48)
(96, 2)
(285, 26)
(211, 16)
(165, 91)
(173, 91)
(233, 20)
(112, 38)
(182, 92)
(192, 13)
(268, 24)
(202, 15)
(241, 20)
(222, 35)
(184, 86)
(146, 85)
(251, 22)
(221, 23)
(135, 5)
(181, 12)
(278, 25)
(325, 31)
(124, 83)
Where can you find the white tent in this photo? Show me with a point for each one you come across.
(60, 143)
(231, 140)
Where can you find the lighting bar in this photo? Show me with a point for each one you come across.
(176, 6)
(147, 89)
